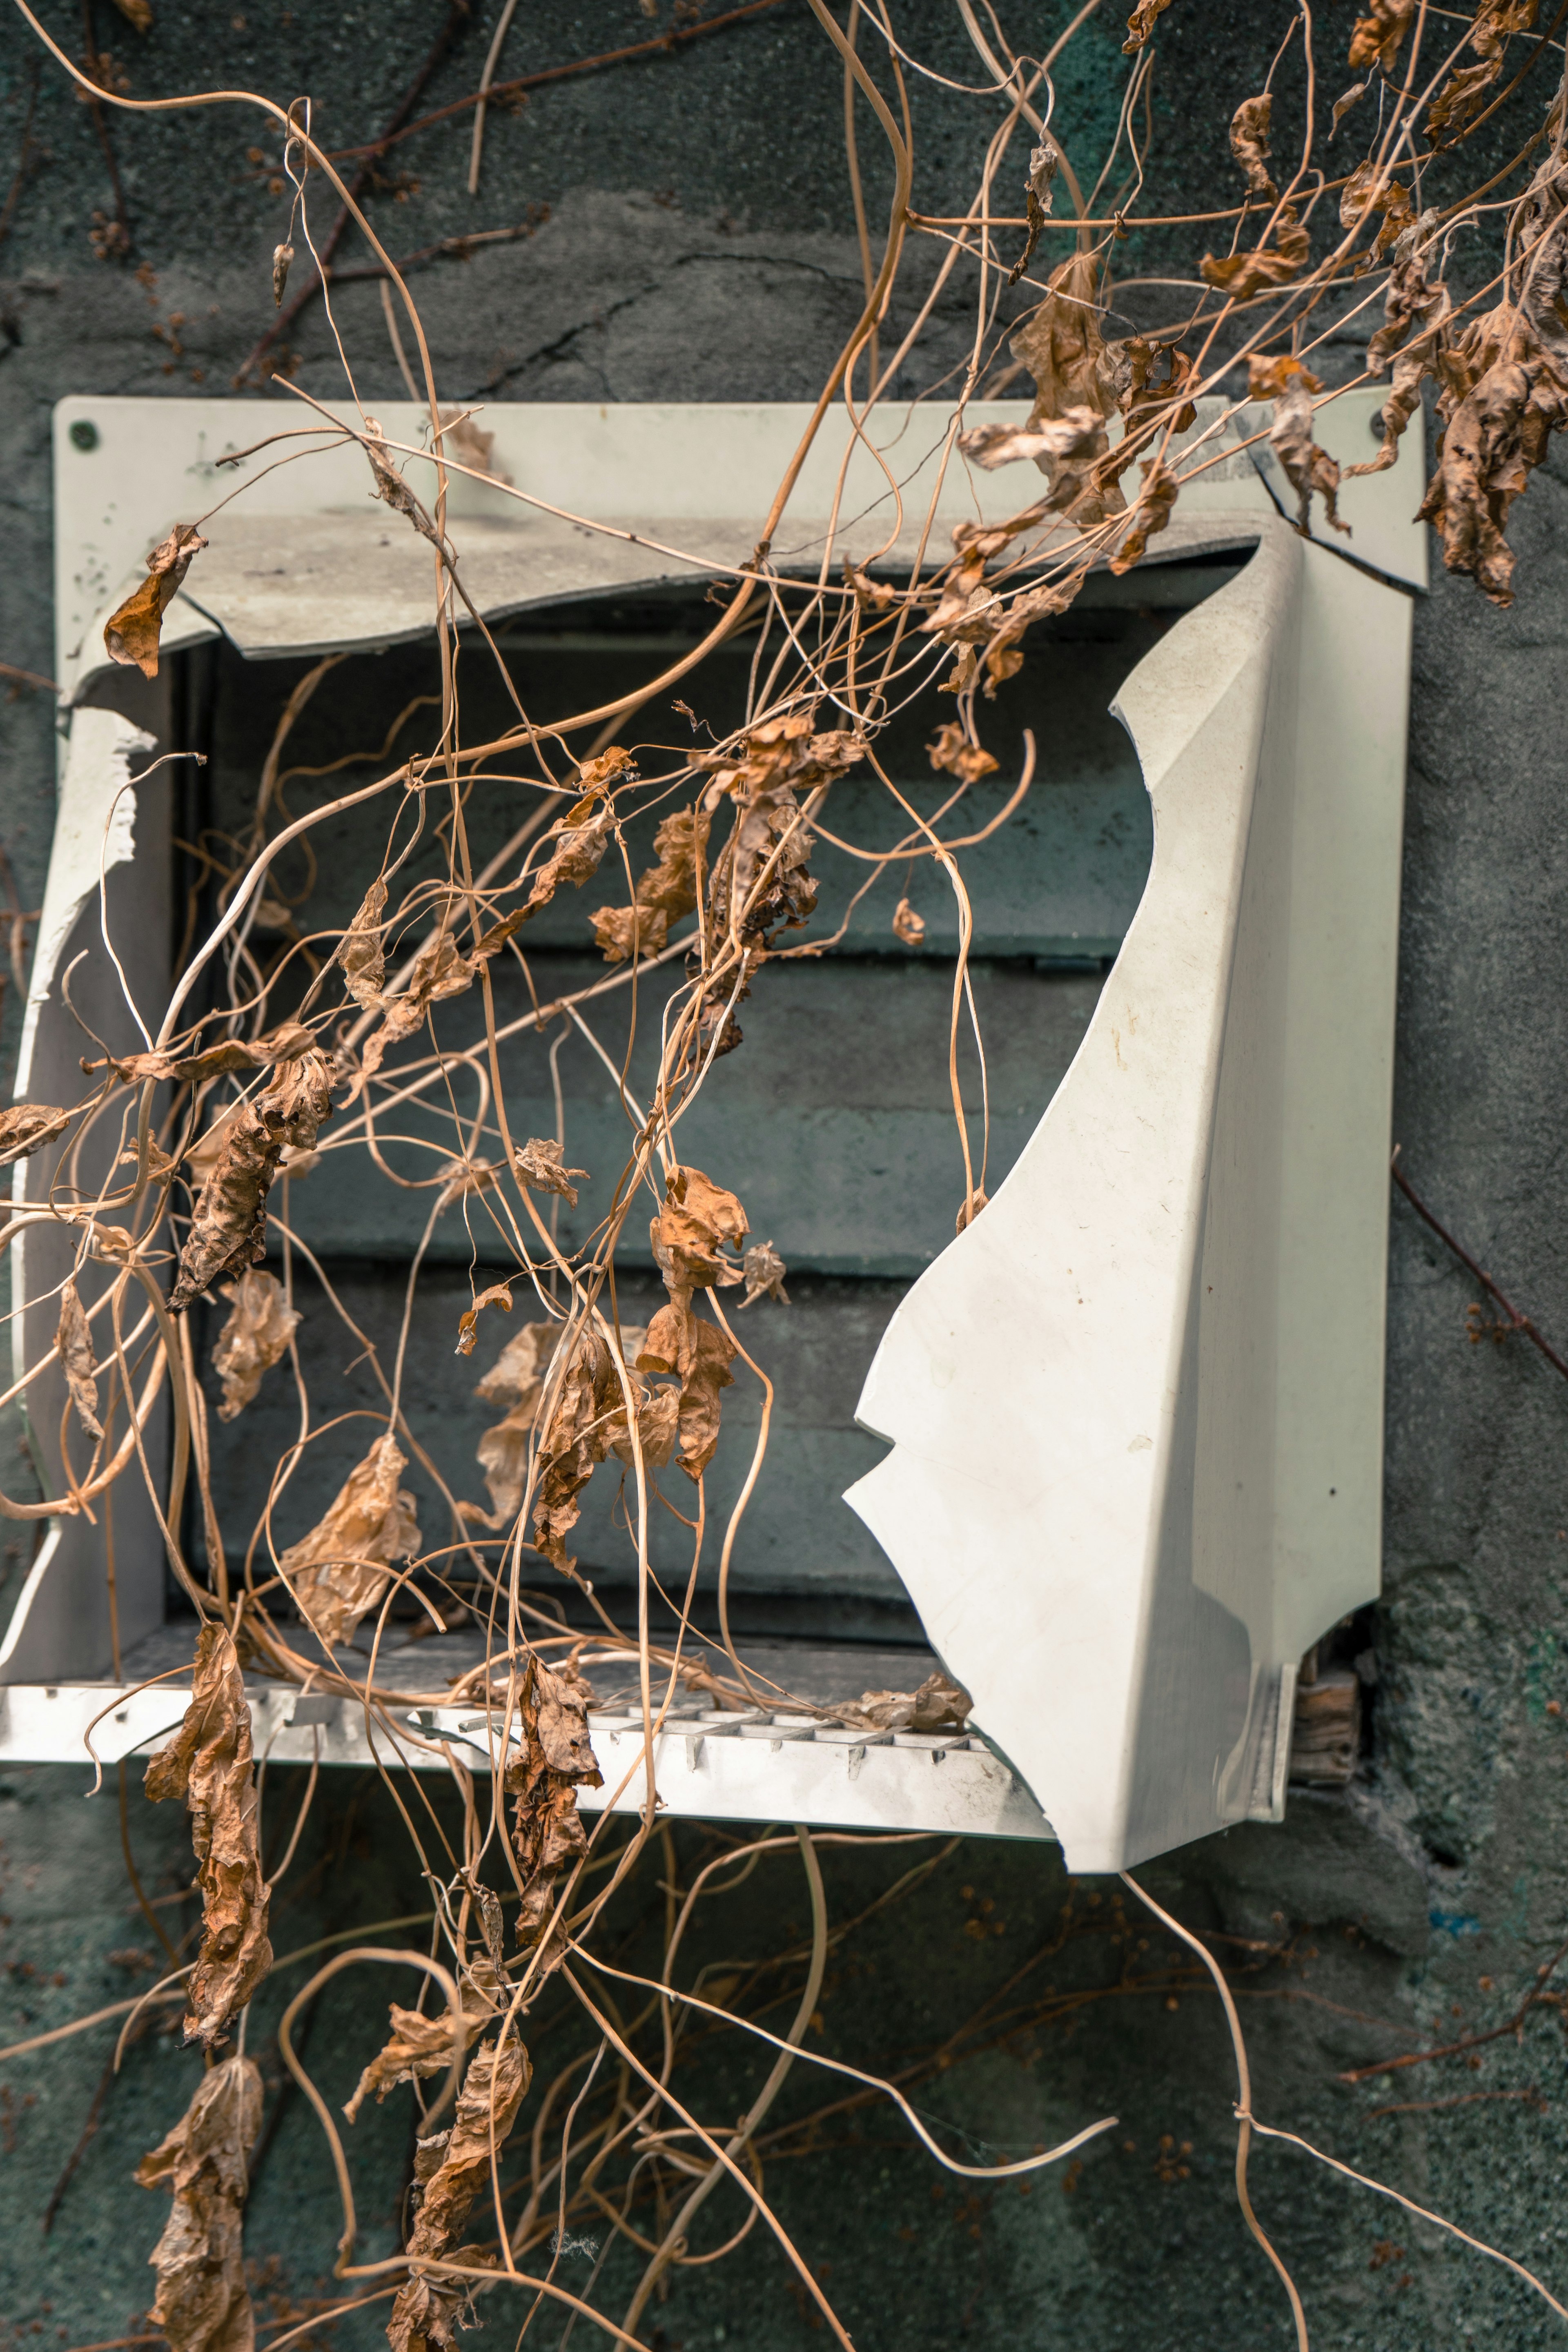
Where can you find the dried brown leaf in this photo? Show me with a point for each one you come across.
(361, 953)
(1072, 435)
(1306, 467)
(666, 892)
(228, 1226)
(1459, 98)
(1376, 38)
(1250, 127)
(1343, 104)
(450, 2169)
(255, 1336)
(909, 927)
(1074, 368)
(766, 1270)
(208, 1763)
(955, 752)
(582, 837)
(938, 1705)
(677, 1341)
(538, 1162)
(1141, 23)
(230, 1056)
(74, 1339)
(574, 1442)
(659, 1427)
(26, 1127)
(497, 1294)
(689, 1233)
(1242, 275)
(1153, 512)
(138, 14)
(439, 972)
(343, 1567)
(554, 1760)
(130, 633)
(201, 2302)
(1038, 199)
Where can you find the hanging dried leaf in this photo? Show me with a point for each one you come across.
(202, 2304)
(1343, 104)
(554, 1760)
(1043, 162)
(582, 835)
(1242, 275)
(282, 255)
(1141, 23)
(256, 1335)
(418, 2046)
(938, 1705)
(907, 926)
(761, 881)
(574, 1444)
(538, 1164)
(1153, 512)
(1376, 38)
(1074, 368)
(26, 1127)
(449, 2170)
(1417, 308)
(138, 14)
(1286, 384)
(497, 1294)
(208, 1763)
(766, 1270)
(74, 1339)
(1250, 127)
(463, 1178)
(343, 1567)
(665, 893)
(228, 1227)
(955, 754)
(690, 1232)
(677, 1341)
(130, 633)
(361, 953)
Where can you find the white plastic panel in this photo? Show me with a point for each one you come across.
(1137, 1407)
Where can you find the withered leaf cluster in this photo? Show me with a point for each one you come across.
(1503, 392)
(342, 1568)
(451, 2169)
(208, 1763)
(255, 1335)
(698, 1222)
(419, 2046)
(228, 1225)
(667, 891)
(131, 633)
(1077, 383)
(1496, 22)
(203, 2304)
(554, 1760)
(761, 881)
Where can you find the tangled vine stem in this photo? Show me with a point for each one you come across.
(300, 1033)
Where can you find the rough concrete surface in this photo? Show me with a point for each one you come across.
(699, 244)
